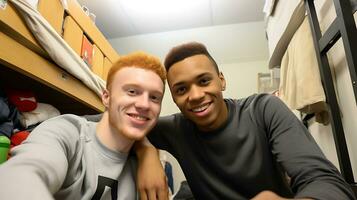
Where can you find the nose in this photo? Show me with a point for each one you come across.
(196, 93)
(143, 102)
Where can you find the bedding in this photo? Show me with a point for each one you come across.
(284, 18)
(281, 25)
(60, 52)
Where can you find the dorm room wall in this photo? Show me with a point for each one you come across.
(240, 50)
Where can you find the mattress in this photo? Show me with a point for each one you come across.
(281, 24)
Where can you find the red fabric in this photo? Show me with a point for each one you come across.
(18, 138)
(24, 101)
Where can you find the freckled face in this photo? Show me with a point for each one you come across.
(134, 101)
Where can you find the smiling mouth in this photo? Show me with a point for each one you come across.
(200, 108)
(139, 117)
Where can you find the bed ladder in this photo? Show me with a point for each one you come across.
(342, 27)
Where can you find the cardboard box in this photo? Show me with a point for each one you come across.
(73, 34)
(91, 31)
(98, 61)
(106, 67)
(53, 12)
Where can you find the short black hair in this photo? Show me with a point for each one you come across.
(180, 52)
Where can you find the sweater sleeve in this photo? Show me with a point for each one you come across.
(312, 175)
(163, 133)
(38, 166)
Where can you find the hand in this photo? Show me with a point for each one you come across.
(269, 195)
(151, 178)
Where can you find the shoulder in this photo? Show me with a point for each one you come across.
(172, 120)
(261, 107)
(262, 98)
(261, 102)
(171, 124)
(64, 121)
(255, 101)
(64, 127)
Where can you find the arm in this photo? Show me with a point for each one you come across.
(151, 178)
(268, 195)
(37, 167)
(312, 175)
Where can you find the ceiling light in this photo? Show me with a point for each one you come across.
(159, 7)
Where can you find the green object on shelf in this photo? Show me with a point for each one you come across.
(4, 148)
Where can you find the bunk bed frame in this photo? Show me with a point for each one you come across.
(342, 27)
(25, 65)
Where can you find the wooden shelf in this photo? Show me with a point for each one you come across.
(23, 68)
(25, 65)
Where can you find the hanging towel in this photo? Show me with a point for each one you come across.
(300, 83)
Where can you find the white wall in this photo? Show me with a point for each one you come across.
(239, 49)
(242, 77)
(227, 43)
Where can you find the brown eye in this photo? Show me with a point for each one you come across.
(204, 81)
(180, 90)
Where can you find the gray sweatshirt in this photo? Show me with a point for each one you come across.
(63, 159)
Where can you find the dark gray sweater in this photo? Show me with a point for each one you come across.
(261, 140)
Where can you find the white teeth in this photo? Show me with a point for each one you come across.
(139, 117)
(201, 108)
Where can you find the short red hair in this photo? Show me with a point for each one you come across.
(139, 60)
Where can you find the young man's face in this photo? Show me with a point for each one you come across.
(196, 88)
(134, 101)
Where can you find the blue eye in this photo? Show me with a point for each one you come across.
(132, 92)
(155, 98)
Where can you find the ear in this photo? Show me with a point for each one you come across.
(106, 98)
(223, 81)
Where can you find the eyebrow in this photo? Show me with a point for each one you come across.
(197, 77)
(138, 86)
